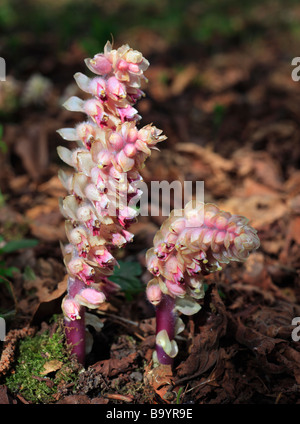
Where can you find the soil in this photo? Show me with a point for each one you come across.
(232, 117)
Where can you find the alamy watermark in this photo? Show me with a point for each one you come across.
(2, 329)
(296, 331)
(296, 71)
(2, 69)
(158, 198)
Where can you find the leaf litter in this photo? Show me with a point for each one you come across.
(238, 132)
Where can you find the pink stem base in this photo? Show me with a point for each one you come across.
(165, 320)
(75, 330)
(75, 335)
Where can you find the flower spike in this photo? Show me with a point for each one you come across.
(188, 246)
(107, 162)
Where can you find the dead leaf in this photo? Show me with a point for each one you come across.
(53, 187)
(34, 156)
(50, 304)
(51, 366)
(46, 221)
(76, 400)
(205, 345)
(160, 379)
(183, 79)
(293, 232)
(261, 210)
(112, 367)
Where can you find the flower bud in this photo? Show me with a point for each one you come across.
(115, 89)
(70, 309)
(122, 65)
(129, 150)
(78, 267)
(128, 113)
(116, 141)
(125, 163)
(90, 297)
(97, 87)
(153, 292)
(175, 289)
(100, 64)
(86, 132)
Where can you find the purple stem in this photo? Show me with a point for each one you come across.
(75, 330)
(165, 320)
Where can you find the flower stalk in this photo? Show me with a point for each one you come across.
(165, 328)
(190, 244)
(104, 187)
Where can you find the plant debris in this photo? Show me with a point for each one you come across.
(225, 98)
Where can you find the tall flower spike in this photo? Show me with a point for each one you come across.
(110, 152)
(190, 244)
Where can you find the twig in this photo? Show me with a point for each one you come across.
(117, 396)
(115, 317)
(201, 384)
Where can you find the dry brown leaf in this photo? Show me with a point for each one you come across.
(51, 303)
(53, 187)
(46, 221)
(204, 350)
(208, 156)
(159, 378)
(261, 210)
(112, 367)
(183, 79)
(223, 78)
(35, 155)
(51, 366)
(293, 232)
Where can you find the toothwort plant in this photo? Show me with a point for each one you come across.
(110, 154)
(190, 244)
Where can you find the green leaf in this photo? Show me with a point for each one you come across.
(7, 314)
(13, 245)
(29, 274)
(127, 277)
(8, 272)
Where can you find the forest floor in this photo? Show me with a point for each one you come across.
(232, 119)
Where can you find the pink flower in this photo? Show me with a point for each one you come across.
(86, 132)
(97, 87)
(154, 293)
(125, 163)
(118, 240)
(104, 259)
(116, 141)
(127, 216)
(70, 309)
(128, 113)
(115, 89)
(83, 271)
(90, 297)
(175, 289)
(100, 64)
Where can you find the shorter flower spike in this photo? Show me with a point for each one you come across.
(190, 244)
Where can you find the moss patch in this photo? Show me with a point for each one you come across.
(43, 370)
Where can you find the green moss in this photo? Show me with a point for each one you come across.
(30, 377)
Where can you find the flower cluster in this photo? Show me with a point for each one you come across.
(190, 244)
(108, 158)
